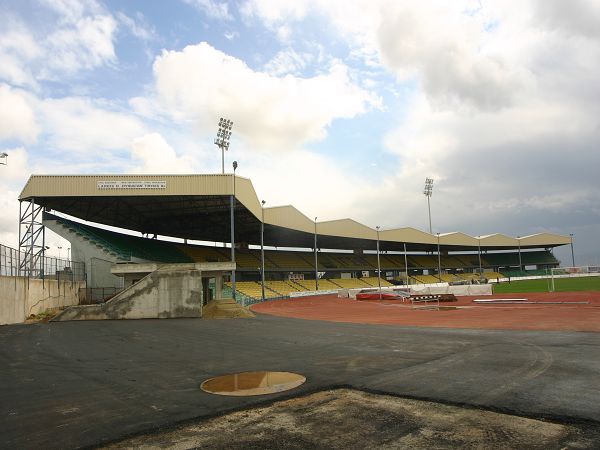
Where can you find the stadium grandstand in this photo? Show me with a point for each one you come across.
(162, 213)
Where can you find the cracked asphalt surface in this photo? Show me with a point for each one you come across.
(77, 384)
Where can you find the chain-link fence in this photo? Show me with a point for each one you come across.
(13, 263)
(9, 261)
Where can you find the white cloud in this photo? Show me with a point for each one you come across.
(273, 12)
(501, 108)
(156, 156)
(452, 64)
(17, 49)
(84, 125)
(138, 27)
(10, 215)
(13, 176)
(17, 119)
(288, 61)
(88, 43)
(315, 184)
(575, 18)
(81, 38)
(16, 168)
(72, 10)
(212, 8)
(231, 35)
(201, 83)
(434, 42)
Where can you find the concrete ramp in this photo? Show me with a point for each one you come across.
(164, 293)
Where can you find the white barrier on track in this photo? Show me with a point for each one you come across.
(311, 293)
(424, 289)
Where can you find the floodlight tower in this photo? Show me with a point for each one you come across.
(3, 158)
(572, 252)
(428, 190)
(222, 139)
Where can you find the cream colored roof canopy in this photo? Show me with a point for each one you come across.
(196, 207)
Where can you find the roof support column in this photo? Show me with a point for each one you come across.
(262, 249)
(439, 258)
(406, 264)
(316, 261)
(479, 254)
(31, 240)
(232, 207)
(378, 264)
(520, 261)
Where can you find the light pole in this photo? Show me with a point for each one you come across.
(572, 252)
(428, 191)
(439, 258)
(3, 158)
(378, 264)
(59, 249)
(406, 264)
(222, 139)
(520, 262)
(479, 254)
(316, 260)
(262, 249)
(69, 255)
(232, 203)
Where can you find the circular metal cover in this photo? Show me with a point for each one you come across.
(252, 383)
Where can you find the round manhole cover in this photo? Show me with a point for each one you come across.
(252, 383)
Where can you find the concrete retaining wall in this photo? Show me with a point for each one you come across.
(20, 297)
(161, 294)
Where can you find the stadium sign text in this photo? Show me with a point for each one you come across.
(132, 184)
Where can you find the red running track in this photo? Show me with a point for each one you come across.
(575, 317)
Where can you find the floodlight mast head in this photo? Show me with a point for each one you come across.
(222, 139)
(3, 157)
(428, 190)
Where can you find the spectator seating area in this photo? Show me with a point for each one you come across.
(324, 285)
(124, 247)
(281, 288)
(528, 258)
(334, 265)
(425, 279)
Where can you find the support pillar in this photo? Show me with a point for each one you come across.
(32, 237)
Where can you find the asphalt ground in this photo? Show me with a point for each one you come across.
(77, 384)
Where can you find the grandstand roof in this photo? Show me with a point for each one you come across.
(197, 207)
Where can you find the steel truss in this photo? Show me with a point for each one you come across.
(32, 239)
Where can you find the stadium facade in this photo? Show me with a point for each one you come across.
(199, 207)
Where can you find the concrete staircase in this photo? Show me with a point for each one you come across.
(163, 294)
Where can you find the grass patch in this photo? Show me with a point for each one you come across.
(544, 285)
(43, 316)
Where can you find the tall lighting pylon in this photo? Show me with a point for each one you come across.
(428, 190)
(222, 139)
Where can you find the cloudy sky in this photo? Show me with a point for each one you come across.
(340, 107)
